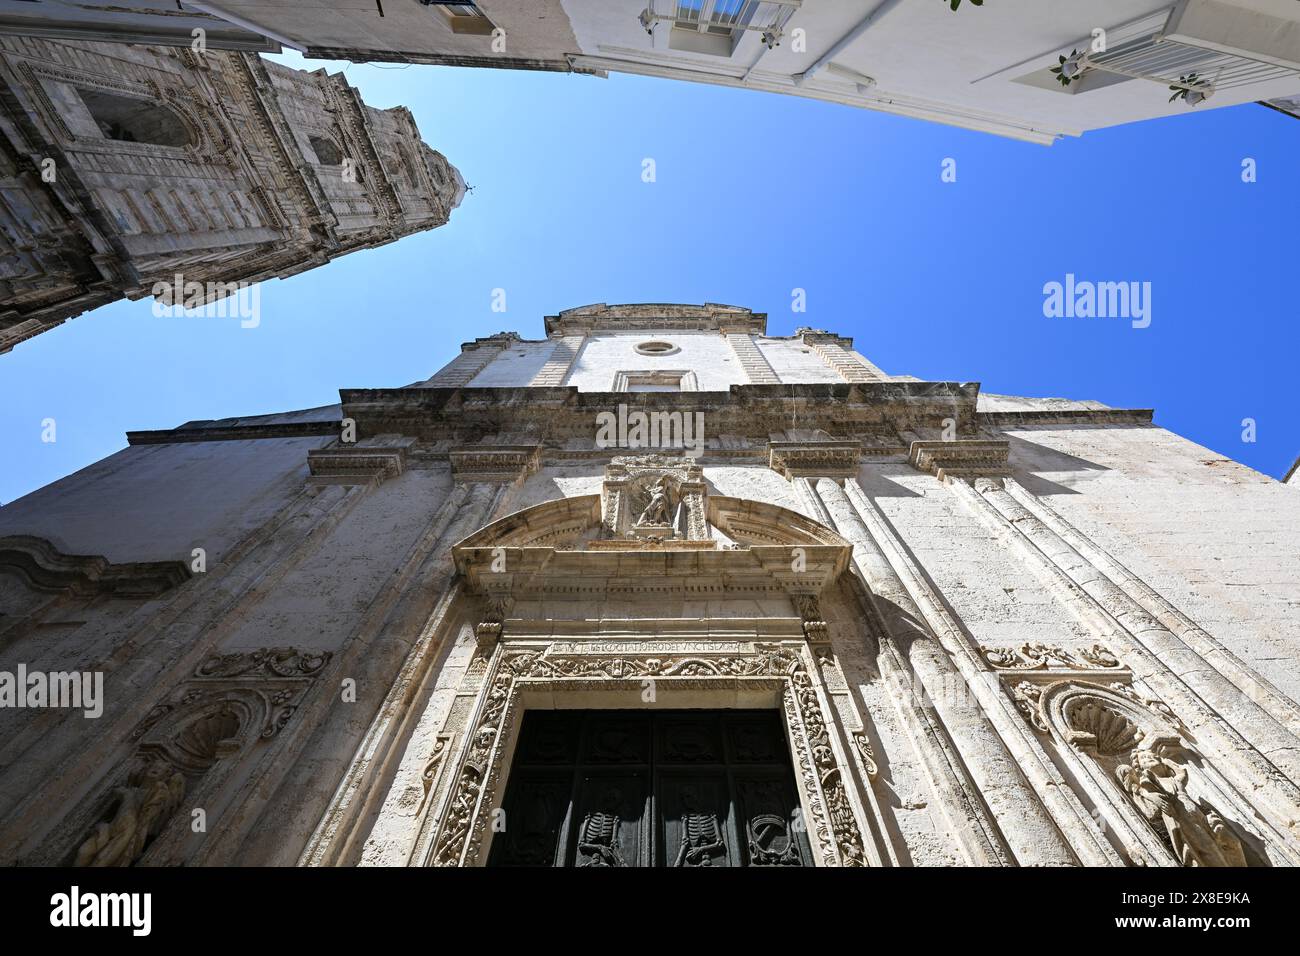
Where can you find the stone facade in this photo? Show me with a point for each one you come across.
(995, 630)
(123, 167)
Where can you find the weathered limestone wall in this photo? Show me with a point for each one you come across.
(995, 596)
(1219, 541)
(159, 502)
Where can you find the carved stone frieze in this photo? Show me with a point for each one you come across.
(493, 463)
(357, 464)
(1041, 657)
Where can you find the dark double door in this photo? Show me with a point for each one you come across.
(651, 788)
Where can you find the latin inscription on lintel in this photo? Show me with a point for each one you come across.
(651, 646)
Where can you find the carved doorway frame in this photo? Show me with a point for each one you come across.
(524, 675)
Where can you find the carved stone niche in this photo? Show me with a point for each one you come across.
(654, 497)
(233, 701)
(1146, 779)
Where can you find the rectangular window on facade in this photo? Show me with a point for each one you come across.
(655, 381)
(465, 18)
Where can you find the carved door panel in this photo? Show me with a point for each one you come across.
(662, 788)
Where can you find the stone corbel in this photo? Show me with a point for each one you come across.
(965, 459)
(810, 614)
(487, 631)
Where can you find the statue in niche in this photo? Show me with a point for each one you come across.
(598, 838)
(658, 511)
(701, 836)
(153, 792)
(1157, 785)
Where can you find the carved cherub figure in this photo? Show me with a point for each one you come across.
(152, 794)
(1157, 785)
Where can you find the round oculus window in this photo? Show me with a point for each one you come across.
(657, 348)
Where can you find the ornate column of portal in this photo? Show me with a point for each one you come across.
(414, 620)
(963, 755)
(1155, 655)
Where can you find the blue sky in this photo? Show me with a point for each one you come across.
(755, 195)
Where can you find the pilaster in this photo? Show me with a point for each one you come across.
(756, 367)
(474, 357)
(410, 635)
(1155, 655)
(562, 357)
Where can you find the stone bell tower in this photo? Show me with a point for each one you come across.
(123, 167)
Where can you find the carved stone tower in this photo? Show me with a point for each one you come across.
(123, 167)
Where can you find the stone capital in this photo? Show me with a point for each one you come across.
(814, 459)
(966, 459)
(358, 464)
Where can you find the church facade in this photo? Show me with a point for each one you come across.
(189, 175)
(657, 589)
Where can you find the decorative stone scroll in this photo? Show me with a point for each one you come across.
(1036, 656)
(782, 667)
(231, 701)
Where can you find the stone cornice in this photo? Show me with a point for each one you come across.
(960, 458)
(1066, 416)
(47, 568)
(874, 412)
(170, 436)
(655, 316)
(496, 463)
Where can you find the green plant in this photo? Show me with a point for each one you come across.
(1064, 74)
(957, 3)
(1191, 91)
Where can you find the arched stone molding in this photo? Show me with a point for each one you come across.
(47, 569)
(1148, 782)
